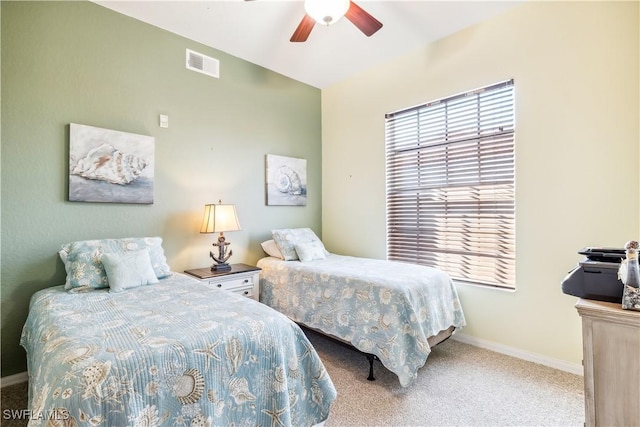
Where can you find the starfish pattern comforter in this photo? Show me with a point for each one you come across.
(177, 353)
(384, 308)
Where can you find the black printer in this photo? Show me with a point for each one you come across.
(596, 277)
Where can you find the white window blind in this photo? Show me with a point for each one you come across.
(450, 185)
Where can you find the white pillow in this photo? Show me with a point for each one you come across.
(271, 249)
(310, 251)
(128, 270)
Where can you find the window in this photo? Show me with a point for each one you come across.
(450, 185)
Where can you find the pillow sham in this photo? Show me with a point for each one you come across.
(84, 267)
(271, 249)
(63, 257)
(128, 270)
(310, 251)
(287, 238)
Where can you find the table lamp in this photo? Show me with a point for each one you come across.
(218, 219)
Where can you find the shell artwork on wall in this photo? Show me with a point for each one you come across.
(110, 166)
(286, 181)
(105, 163)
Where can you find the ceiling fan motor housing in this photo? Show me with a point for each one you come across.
(326, 12)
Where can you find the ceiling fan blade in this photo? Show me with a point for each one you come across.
(304, 29)
(361, 19)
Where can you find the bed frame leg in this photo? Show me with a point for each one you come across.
(371, 358)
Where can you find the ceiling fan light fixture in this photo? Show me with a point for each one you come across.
(326, 12)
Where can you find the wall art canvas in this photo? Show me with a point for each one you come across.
(286, 181)
(110, 166)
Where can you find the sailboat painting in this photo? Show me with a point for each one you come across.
(286, 181)
(110, 166)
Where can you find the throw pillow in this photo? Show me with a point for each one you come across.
(310, 251)
(128, 270)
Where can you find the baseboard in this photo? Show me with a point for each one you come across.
(520, 354)
(22, 377)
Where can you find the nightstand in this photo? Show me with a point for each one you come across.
(242, 279)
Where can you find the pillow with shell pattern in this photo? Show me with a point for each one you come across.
(82, 260)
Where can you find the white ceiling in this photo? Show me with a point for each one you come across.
(259, 31)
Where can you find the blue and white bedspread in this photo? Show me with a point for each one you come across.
(385, 308)
(177, 353)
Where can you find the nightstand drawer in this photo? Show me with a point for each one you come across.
(245, 292)
(232, 285)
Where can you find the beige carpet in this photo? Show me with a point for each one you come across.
(13, 398)
(460, 385)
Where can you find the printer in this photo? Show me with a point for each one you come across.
(596, 277)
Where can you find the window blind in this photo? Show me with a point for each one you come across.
(450, 185)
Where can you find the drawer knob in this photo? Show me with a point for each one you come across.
(219, 285)
(246, 280)
(246, 292)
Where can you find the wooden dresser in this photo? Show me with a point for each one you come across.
(611, 359)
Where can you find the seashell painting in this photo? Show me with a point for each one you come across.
(286, 181)
(110, 166)
(106, 163)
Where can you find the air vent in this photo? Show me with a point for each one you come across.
(203, 64)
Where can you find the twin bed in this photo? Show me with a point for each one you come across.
(393, 311)
(167, 350)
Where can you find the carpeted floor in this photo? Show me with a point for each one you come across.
(13, 398)
(460, 385)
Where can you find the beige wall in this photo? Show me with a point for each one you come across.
(575, 67)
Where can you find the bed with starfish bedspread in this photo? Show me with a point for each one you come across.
(394, 311)
(174, 353)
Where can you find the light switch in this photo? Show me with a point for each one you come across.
(164, 121)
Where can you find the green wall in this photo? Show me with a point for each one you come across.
(78, 62)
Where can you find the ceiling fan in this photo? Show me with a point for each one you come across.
(327, 12)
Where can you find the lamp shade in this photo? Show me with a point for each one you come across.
(326, 12)
(219, 218)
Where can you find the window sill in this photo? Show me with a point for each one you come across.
(483, 286)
